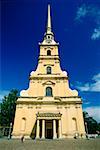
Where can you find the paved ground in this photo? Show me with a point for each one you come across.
(68, 144)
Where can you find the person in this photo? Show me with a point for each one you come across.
(22, 138)
(76, 136)
(87, 137)
(81, 135)
(9, 137)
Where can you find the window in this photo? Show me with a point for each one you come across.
(48, 91)
(48, 37)
(48, 70)
(48, 52)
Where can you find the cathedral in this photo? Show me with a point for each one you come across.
(48, 109)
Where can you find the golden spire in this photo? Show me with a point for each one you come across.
(49, 21)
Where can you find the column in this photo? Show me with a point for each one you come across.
(54, 129)
(38, 130)
(43, 129)
(60, 131)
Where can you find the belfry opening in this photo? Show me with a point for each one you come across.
(49, 108)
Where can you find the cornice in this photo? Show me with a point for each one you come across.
(48, 102)
(45, 58)
(48, 114)
(55, 97)
(47, 77)
(48, 55)
(71, 97)
(40, 44)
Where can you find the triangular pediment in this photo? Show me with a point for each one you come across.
(48, 83)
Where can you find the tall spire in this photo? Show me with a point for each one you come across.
(49, 20)
(49, 36)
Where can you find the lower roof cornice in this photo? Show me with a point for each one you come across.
(54, 97)
(49, 102)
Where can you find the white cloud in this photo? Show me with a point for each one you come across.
(3, 93)
(93, 12)
(82, 87)
(96, 34)
(81, 12)
(92, 87)
(93, 112)
(96, 77)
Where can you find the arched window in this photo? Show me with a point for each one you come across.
(48, 37)
(48, 91)
(48, 70)
(48, 53)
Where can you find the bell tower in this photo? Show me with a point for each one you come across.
(49, 54)
(49, 108)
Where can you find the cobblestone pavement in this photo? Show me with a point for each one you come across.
(66, 144)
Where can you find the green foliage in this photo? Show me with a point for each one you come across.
(92, 125)
(7, 108)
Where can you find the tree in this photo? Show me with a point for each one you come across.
(7, 108)
(91, 124)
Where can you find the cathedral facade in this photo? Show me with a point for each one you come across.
(48, 109)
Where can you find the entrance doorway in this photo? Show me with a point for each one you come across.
(49, 129)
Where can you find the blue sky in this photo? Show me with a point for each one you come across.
(76, 25)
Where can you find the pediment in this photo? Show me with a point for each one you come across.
(48, 83)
